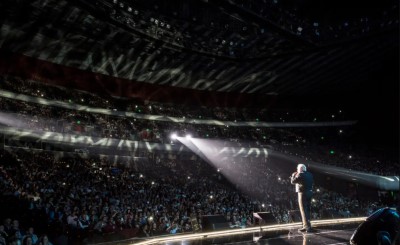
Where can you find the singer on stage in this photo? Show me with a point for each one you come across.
(304, 182)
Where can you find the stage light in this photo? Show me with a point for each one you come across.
(174, 136)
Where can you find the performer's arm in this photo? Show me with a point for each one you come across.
(295, 178)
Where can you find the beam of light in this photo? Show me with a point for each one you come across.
(224, 233)
(13, 120)
(229, 157)
(189, 144)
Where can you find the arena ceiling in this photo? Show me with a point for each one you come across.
(265, 47)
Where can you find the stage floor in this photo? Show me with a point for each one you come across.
(332, 235)
(329, 232)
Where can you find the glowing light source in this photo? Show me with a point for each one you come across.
(188, 136)
(174, 136)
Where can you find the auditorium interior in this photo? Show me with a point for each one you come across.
(184, 122)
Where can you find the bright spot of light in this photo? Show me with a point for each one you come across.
(188, 177)
(152, 183)
(211, 197)
(350, 156)
(279, 178)
(313, 200)
(141, 175)
(318, 190)
(174, 136)
(263, 205)
(188, 136)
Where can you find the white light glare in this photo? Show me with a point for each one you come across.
(188, 136)
(174, 136)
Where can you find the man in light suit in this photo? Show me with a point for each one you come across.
(304, 182)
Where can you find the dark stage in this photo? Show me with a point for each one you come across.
(333, 232)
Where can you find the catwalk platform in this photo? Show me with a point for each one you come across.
(329, 232)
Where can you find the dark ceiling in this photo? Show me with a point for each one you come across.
(281, 47)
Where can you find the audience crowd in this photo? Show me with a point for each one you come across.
(328, 145)
(50, 198)
(166, 195)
